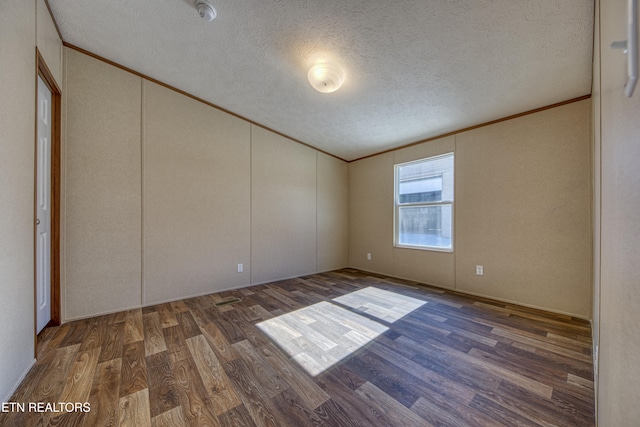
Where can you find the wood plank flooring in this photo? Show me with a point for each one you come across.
(344, 348)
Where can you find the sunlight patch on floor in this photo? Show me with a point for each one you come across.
(319, 336)
(385, 305)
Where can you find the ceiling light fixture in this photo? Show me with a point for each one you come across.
(206, 10)
(326, 77)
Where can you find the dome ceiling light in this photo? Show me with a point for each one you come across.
(326, 77)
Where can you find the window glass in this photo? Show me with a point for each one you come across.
(424, 203)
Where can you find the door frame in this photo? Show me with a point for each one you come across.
(42, 71)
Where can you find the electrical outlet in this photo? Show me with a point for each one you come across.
(368, 256)
(479, 270)
(240, 268)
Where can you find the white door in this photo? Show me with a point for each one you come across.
(43, 208)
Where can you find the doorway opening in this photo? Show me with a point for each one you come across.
(47, 199)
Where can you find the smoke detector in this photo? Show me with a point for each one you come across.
(206, 10)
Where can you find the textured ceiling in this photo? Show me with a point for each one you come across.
(415, 69)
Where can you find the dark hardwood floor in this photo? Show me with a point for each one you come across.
(344, 348)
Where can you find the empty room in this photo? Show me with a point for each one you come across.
(338, 213)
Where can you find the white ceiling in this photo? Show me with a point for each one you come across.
(415, 68)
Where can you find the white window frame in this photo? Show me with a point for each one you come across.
(398, 205)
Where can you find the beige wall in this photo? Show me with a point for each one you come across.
(332, 192)
(102, 176)
(371, 214)
(17, 109)
(48, 41)
(24, 26)
(522, 210)
(371, 220)
(283, 207)
(596, 150)
(165, 196)
(196, 197)
(619, 212)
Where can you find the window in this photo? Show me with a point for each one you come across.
(424, 203)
